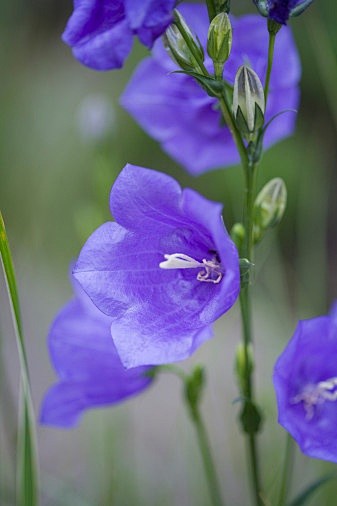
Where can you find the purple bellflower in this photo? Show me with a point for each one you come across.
(305, 380)
(100, 32)
(178, 113)
(281, 10)
(89, 369)
(164, 271)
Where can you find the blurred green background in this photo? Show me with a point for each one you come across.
(54, 187)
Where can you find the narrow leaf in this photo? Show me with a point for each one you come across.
(306, 494)
(27, 470)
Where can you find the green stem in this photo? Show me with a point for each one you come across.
(27, 468)
(287, 471)
(210, 471)
(245, 305)
(211, 9)
(228, 117)
(271, 46)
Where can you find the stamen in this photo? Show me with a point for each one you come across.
(317, 394)
(212, 272)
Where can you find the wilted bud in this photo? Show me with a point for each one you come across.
(248, 101)
(244, 364)
(219, 41)
(187, 55)
(281, 10)
(269, 206)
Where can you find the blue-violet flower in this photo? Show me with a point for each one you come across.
(164, 271)
(178, 113)
(100, 32)
(89, 369)
(281, 10)
(305, 380)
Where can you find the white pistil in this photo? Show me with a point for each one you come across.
(317, 394)
(182, 261)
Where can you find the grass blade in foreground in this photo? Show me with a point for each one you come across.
(27, 470)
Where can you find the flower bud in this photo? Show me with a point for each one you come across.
(269, 206)
(248, 101)
(186, 55)
(219, 41)
(244, 364)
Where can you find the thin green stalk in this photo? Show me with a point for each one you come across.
(193, 386)
(271, 47)
(287, 471)
(245, 305)
(210, 471)
(211, 9)
(27, 468)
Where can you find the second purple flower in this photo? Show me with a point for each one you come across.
(164, 271)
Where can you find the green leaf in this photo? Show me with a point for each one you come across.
(304, 496)
(27, 469)
(213, 87)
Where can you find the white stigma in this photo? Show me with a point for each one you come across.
(317, 394)
(211, 272)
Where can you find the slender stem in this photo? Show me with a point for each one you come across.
(210, 471)
(211, 9)
(245, 305)
(287, 471)
(225, 109)
(271, 46)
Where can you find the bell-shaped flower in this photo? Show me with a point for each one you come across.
(178, 113)
(281, 10)
(100, 32)
(305, 380)
(164, 271)
(90, 372)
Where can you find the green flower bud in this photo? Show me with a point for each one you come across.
(184, 48)
(219, 41)
(248, 101)
(244, 365)
(269, 206)
(238, 234)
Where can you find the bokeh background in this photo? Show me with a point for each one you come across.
(55, 178)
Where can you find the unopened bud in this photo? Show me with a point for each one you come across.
(248, 101)
(244, 364)
(219, 40)
(238, 235)
(269, 206)
(186, 55)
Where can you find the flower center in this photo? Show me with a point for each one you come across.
(317, 394)
(211, 269)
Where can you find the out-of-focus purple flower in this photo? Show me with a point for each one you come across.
(174, 110)
(163, 272)
(281, 10)
(95, 118)
(100, 32)
(89, 369)
(305, 380)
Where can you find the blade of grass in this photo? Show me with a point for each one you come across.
(27, 468)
